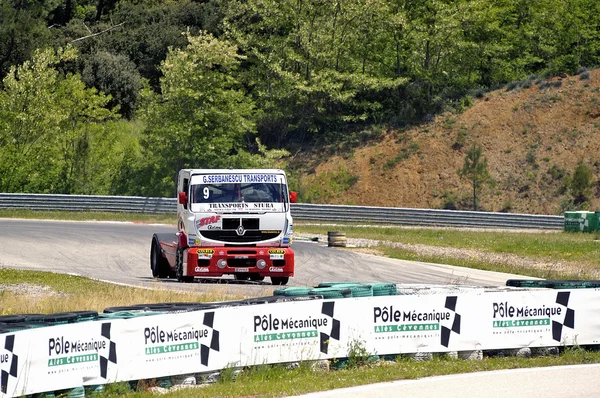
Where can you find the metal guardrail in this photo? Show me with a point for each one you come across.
(300, 211)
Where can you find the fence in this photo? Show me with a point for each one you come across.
(300, 211)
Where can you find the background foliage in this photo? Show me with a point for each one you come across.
(113, 96)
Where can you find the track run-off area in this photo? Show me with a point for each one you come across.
(119, 252)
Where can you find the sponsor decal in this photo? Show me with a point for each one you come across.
(581, 222)
(271, 328)
(242, 206)
(8, 363)
(392, 322)
(263, 206)
(66, 354)
(193, 241)
(290, 330)
(229, 205)
(269, 231)
(275, 269)
(506, 315)
(242, 270)
(276, 254)
(207, 221)
(205, 254)
(162, 344)
(201, 269)
(509, 317)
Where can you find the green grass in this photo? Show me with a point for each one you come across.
(542, 245)
(67, 293)
(277, 381)
(579, 251)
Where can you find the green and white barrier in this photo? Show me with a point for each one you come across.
(582, 221)
(108, 350)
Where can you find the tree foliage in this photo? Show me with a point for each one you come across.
(295, 74)
(203, 118)
(475, 170)
(49, 126)
(581, 183)
(115, 75)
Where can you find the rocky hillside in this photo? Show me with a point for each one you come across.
(533, 135)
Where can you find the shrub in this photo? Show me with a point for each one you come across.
(581, 183)
(511, 86)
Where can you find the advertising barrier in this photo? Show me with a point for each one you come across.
(581, 221)
(111, 350)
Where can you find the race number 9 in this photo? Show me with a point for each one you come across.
(206, 192)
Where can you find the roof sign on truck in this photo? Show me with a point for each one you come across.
(238, 178)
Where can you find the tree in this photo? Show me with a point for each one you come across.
(49, 126)
(202, 118)
(475, 170)
(317, 69)
(115, 75)
(23, 28)
(581, 183)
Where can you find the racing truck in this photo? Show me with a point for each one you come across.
(229, 222)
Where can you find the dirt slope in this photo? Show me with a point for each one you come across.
(533, 137)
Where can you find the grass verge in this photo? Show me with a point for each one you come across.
(35, 292)
(278, 381)
(544, 254)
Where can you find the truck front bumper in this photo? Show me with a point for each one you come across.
(219, 261)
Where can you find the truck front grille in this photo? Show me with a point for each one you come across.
(250, 236)
(247, 223)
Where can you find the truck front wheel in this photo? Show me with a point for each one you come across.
(280, 280)
(179, 265)
(158, 264)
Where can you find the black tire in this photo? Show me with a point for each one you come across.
(256, 277)
(280, 280)
(158, 264)
(241, 276)
(179, 265)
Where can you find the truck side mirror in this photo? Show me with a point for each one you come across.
(293, 196)
(182, 198)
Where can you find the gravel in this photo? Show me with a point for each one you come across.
(31, 290)
(370, 246)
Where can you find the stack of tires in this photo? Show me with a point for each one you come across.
(334, 290)
(553, 284)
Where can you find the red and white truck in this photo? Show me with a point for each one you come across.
(229, 221)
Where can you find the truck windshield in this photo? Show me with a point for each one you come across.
(239, 192)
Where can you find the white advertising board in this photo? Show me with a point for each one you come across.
(106, 351)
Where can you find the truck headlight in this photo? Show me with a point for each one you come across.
(222, 263)
(261, 264)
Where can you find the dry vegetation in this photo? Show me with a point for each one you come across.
(533, 136)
